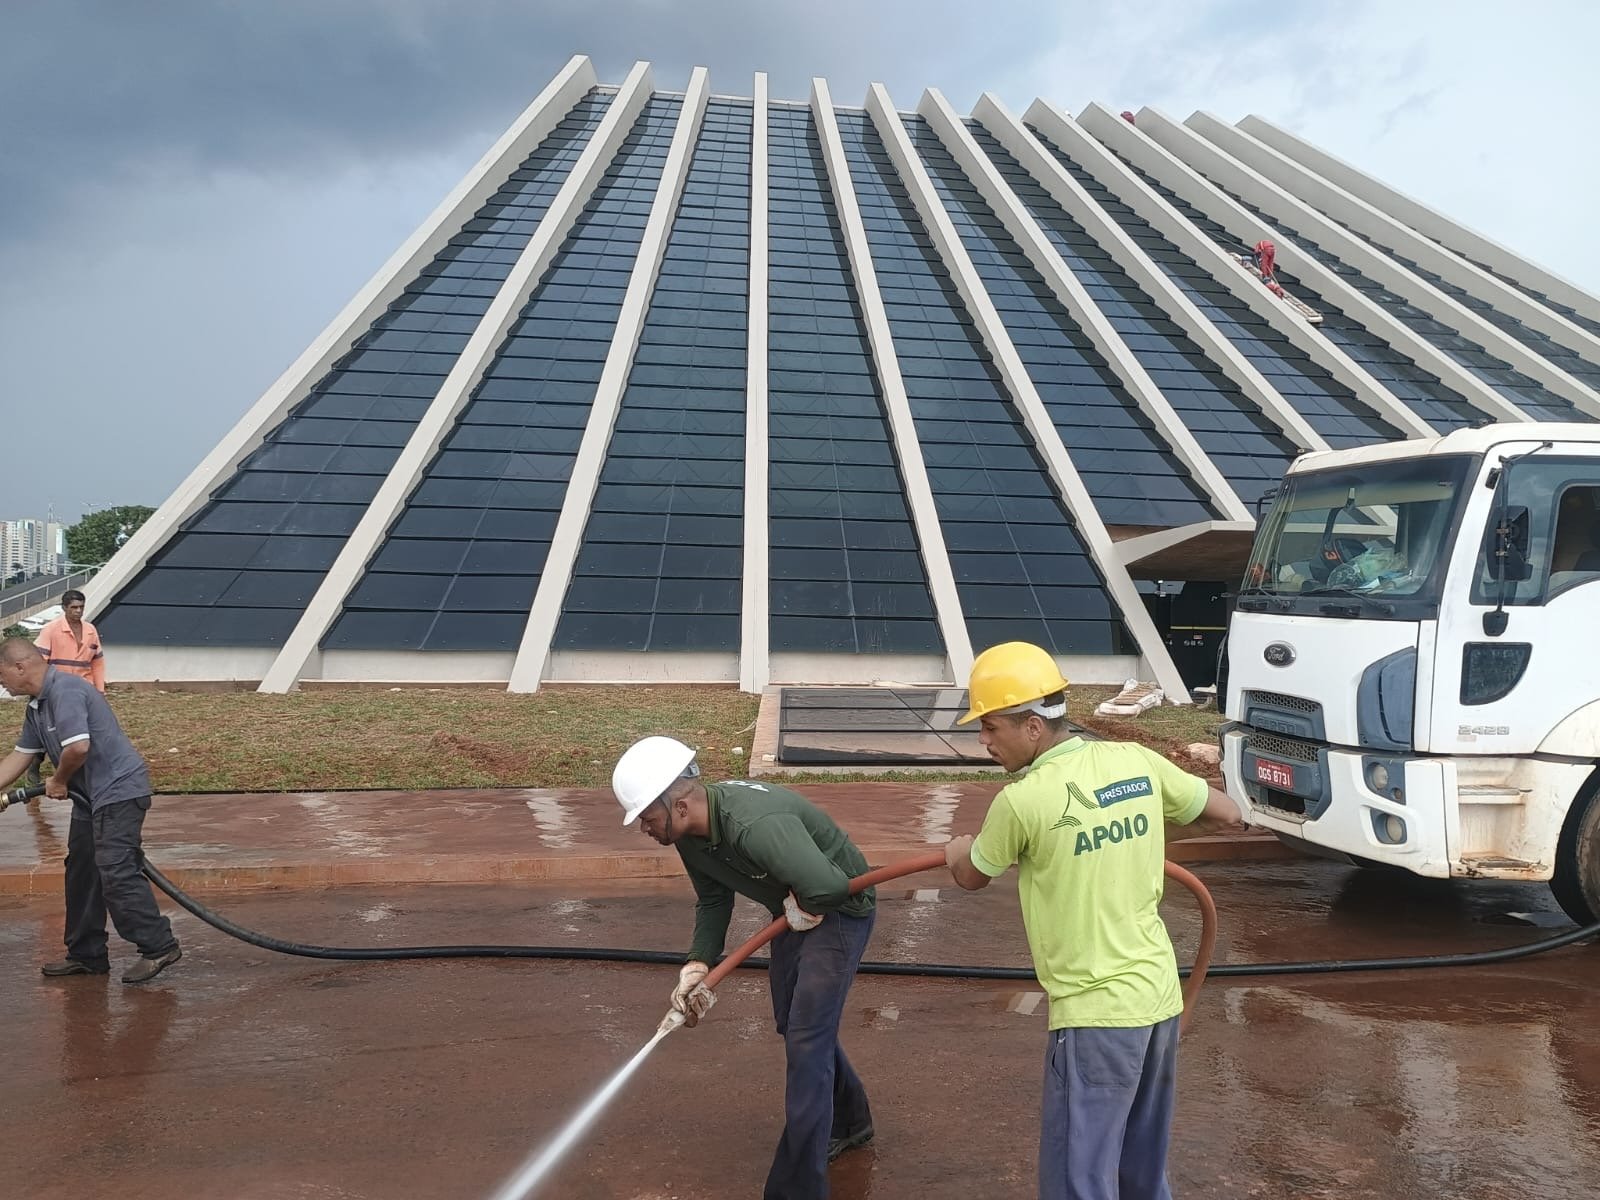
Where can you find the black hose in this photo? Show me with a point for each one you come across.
(20, 795)
(926, 970)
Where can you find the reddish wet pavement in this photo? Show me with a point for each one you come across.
(513, 835)
(243, 1075)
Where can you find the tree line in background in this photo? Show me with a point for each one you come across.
(94, 539)
(101, 534)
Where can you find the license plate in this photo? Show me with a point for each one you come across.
(1275, 774)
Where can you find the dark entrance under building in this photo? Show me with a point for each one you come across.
(1192, 618)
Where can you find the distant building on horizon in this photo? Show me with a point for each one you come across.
(29, 546)
(683, 386)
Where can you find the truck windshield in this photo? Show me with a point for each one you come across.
(1365, 540)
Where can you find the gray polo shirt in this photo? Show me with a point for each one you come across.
(69, 710)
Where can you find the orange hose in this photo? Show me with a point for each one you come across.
(1208, 939)
(906, 866)
(934, 859)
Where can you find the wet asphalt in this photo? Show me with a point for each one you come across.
(242, 1074)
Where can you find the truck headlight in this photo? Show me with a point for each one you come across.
(1385, 777)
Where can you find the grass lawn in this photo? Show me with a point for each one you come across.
(469, 737)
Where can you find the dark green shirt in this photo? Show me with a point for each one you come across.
(766, 842)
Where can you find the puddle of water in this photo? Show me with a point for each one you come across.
(938, 809)
(1538, 920)
(1024, 1004)
(354, 842)
(553, 820)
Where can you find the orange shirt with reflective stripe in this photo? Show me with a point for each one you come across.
(66, 653)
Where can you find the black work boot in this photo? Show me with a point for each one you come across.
(147, 969)
(74, 966)
(838, 1145)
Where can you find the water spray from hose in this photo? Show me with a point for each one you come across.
(533, 1172)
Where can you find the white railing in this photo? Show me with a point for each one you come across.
(20, 603)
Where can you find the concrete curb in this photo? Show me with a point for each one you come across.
(45, 879)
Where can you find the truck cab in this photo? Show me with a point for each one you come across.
(1413, 662)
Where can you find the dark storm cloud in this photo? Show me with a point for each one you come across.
(190, 188)
(96, 93)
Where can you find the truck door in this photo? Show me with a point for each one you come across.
(1501, 694)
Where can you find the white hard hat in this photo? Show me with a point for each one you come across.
(646, 769)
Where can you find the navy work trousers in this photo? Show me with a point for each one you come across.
(1107, 1116)
(823, 1097)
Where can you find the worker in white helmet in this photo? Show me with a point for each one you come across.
(776, 847)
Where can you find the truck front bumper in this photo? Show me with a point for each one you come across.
(1323, 796)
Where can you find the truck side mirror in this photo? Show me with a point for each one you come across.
(1507, 551)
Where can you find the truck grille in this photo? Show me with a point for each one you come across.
(1279, 700)
(1281, 747)
(1290, 806)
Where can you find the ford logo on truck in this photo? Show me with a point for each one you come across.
(1279, 654)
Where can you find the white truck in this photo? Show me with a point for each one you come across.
(1412, 672)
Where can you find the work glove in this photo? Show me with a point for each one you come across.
(692, 997)
(799, 919)
(957, 850)
(697, 1004)
(690, 976)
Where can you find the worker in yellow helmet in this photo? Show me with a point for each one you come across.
(1087, 826)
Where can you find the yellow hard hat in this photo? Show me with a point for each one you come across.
(1009, 678)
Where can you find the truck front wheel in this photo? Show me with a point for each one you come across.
(1576, 882)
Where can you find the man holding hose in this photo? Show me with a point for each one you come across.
(1087, 827)
(777, 848)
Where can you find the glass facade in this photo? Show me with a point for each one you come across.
(1127, 466)
(1327, 405)
(1531, 397)
(846, 573)
(1021, 569)
(660, 526)
(662, 558)
(1582, 369)
(1555, 306)
(1247, 448)
(461, 563)
(1423, 392)
(243, 568)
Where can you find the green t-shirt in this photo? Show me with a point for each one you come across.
(766, 842)
(1086, 827)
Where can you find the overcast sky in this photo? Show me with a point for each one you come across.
(191, 189)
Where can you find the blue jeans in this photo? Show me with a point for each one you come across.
(1107, 1115)
(823, 1098)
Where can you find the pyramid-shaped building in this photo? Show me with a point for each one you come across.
(684, 386)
